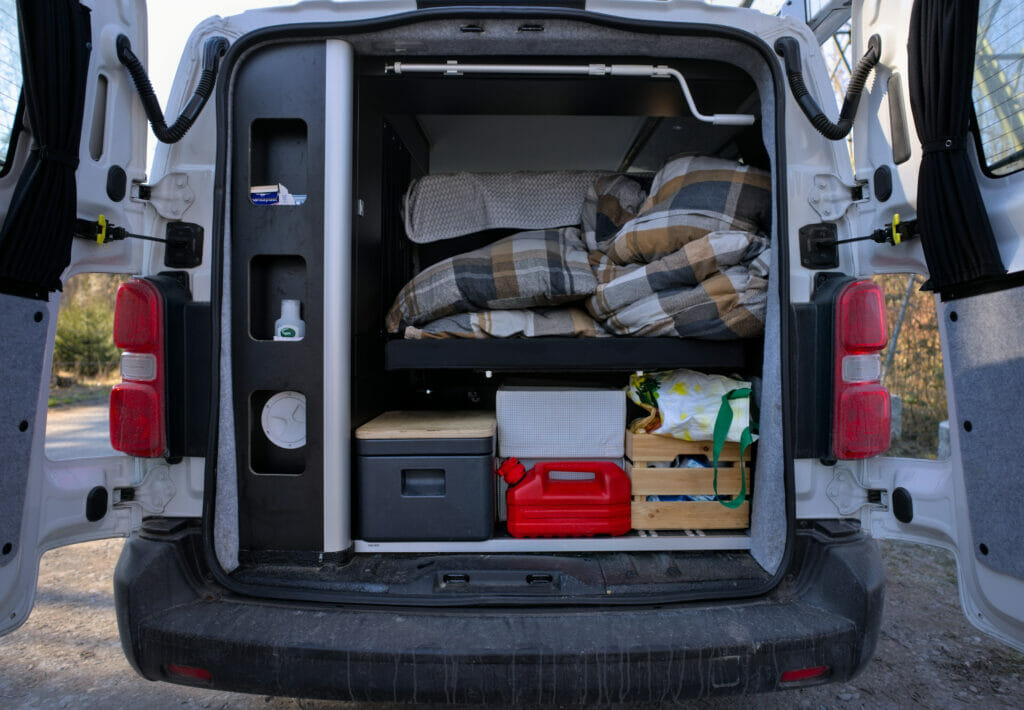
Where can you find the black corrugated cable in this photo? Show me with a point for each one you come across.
(213, 49)
(789, 49)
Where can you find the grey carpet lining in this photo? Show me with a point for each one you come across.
(225, 517)
(560, 37)
(768, 505)
(985, 357)
(23, 352)
(566, 38)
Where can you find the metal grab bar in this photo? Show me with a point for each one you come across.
(454, 68)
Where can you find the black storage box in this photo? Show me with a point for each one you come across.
(425, 476)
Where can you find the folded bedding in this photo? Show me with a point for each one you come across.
(541, 268)
(727, 305)
(449, 205)
(618, 286)
(687, 260)
(683, 293)
(692, 196)
(565, 322)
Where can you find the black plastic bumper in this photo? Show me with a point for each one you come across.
(826, 613)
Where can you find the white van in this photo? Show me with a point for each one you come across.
(304, 418)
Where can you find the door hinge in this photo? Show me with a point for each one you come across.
(830, 197)
(170, 195)
(149, 497)
(849, 494)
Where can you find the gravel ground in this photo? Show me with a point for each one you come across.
(68, 655)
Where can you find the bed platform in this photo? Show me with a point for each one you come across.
(571, 354)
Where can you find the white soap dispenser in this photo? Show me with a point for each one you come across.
(290, 325)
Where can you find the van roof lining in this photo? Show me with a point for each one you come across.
(503, 36)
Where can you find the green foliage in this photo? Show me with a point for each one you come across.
(85, 342)
(85, 328)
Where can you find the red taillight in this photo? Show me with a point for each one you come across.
(137, 317)
(861, 418)
(137, 404)
(803, 674)
(135, 419)
(189, 672)
(860, 317)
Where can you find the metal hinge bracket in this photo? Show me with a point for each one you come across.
(830, 197)
(850, 495)
(149, 497)
(171, 196)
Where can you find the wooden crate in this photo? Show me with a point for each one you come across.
(642, 450)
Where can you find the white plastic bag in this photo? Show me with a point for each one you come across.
(684, 404)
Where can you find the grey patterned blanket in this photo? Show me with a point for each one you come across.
(451, 205)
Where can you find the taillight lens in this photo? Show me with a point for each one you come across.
(862, 416)
(189, 672)
(860, 317)
(137, 404)
(803, 674)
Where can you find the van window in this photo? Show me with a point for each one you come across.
(912, 370)
(85, 366)
(999, 86)
(10, 75)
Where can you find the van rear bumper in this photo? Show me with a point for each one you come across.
(827, 613)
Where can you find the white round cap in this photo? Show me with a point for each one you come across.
(284, 420)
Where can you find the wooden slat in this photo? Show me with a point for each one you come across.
(685, 481)
(689, 515)
(651, 447)
(643, 449)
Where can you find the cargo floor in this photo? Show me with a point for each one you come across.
(692, 540)
(604, 576)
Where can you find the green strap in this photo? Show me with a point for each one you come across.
(722, 425)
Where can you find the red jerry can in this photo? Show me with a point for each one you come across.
(567, 499)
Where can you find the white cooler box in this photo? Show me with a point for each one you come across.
(558, 423)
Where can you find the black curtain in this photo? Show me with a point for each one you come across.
(35, 241)
(955, 232)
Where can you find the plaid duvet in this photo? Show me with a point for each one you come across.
(727, 305)
(620, 286)
(691, 197)
(542, 268)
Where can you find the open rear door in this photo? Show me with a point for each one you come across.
(70, 81)
(959, 78)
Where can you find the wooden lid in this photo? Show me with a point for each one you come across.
(429, 425)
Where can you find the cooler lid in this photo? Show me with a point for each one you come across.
(425, 447)
(427, 433)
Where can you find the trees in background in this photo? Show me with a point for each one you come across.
(84, 348)
(915, 373)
